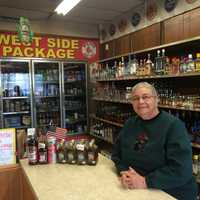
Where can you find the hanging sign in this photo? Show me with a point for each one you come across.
(24, 30)
(7, 146)
(50, 47)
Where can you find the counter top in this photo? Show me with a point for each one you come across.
(76, 182)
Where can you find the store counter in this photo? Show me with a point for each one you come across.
(75, 182)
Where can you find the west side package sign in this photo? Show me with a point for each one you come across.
(51, 47)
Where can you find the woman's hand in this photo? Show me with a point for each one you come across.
(132, 180)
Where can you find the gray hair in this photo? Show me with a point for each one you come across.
(146, 85)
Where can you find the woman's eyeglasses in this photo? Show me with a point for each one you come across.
(144, 98)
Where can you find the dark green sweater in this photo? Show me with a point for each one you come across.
(158, 149)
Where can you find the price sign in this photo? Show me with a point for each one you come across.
(7, 146)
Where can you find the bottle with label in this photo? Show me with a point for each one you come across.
(32, 147)
(71, 152)
(195, 165)
(61, 155)
(42, 152)
(158, 63)
(190, 64)
(197, 63)
(148, 66)
(133, 65)
(92, 153)
(81, 153)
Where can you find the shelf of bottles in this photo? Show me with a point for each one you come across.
(145, 67)
(75, 98)
(104, 131)
(47, 93)
(15, 94)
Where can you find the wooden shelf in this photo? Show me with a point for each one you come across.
(195, 145)
(160, 105)
(134, 77)
(107, 121)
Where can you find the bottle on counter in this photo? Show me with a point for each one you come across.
(51, 149)
(81, 153)
(61, 153)
(71, 152)
(92, 153)
(42, 148)
(32, 150)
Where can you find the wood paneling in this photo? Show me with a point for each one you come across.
(10, 183)
(27, 190)
(107, 49)
(173, 29)
(192, 23)
(123, 45)
(146, 38)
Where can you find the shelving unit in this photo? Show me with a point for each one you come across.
(15, 95)
(47, 95)
(75, 97)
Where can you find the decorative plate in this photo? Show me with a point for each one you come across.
(151, 10)
(190, 1)
(135, 19)
(170, 5)
(112, 29)
(122, 25)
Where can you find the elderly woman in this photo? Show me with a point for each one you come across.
(153, 149)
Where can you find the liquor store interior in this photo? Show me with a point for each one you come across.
(99, 100)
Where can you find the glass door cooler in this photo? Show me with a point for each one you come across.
(75, 116)
(15, 94)
(47, 96)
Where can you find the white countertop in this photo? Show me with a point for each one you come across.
(75, 182)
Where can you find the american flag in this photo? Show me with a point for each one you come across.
(59, 134)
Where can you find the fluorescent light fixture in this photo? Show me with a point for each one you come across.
(65, 6)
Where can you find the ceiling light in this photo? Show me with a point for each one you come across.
(65, 6)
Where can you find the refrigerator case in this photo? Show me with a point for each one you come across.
(15, 94)
(75, 98)
(47, 94)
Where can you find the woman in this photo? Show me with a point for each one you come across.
(153, 149)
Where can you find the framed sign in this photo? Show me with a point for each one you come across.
(7, 146)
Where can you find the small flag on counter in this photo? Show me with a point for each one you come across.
(60, 133)
(50, 134)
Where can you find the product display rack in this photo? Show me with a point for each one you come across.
(75, 109)
(47, 93)
(38, 93)
(16, 99)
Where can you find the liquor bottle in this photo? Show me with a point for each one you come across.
(123, 67)
(61, 154)
(164, 64)
(195, 165)
(190, 64)
(32, 147)
(197, 62)
(158, 63)
(148, 66)
(81, 153)
(71, 152)
(133, 65)
(92, 153)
